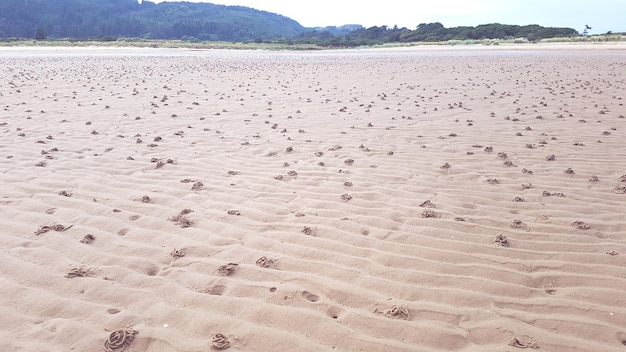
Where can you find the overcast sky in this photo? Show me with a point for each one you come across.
(601, 15)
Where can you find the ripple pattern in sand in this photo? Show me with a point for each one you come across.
(324, 164)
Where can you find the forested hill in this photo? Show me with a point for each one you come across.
(113, 19)
(129, 18)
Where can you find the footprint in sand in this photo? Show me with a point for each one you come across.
(122, 232)
(621, 338)
(51, 211)
(217, 290)
(334, 312)
(134, 217)
(152, 271)
(310, 297)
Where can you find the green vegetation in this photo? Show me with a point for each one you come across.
(127, 18)
(158, 43)
(204, 25)
(281, 45)
(435, 32)
(598, 38)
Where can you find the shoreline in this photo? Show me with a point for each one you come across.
(617, 46)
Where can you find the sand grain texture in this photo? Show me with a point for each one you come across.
(355, 194)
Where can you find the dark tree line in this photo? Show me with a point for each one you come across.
(112, 19)
(434, 32)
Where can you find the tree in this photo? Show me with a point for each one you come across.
(40, 34)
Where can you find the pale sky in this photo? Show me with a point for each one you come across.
(601, 15)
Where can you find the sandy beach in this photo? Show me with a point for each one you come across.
(420, 199)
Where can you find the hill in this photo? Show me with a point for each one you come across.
(128, 18)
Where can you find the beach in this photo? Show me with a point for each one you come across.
(409, 199)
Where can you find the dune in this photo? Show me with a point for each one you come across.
(416, 199)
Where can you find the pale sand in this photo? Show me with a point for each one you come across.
(338, 256)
